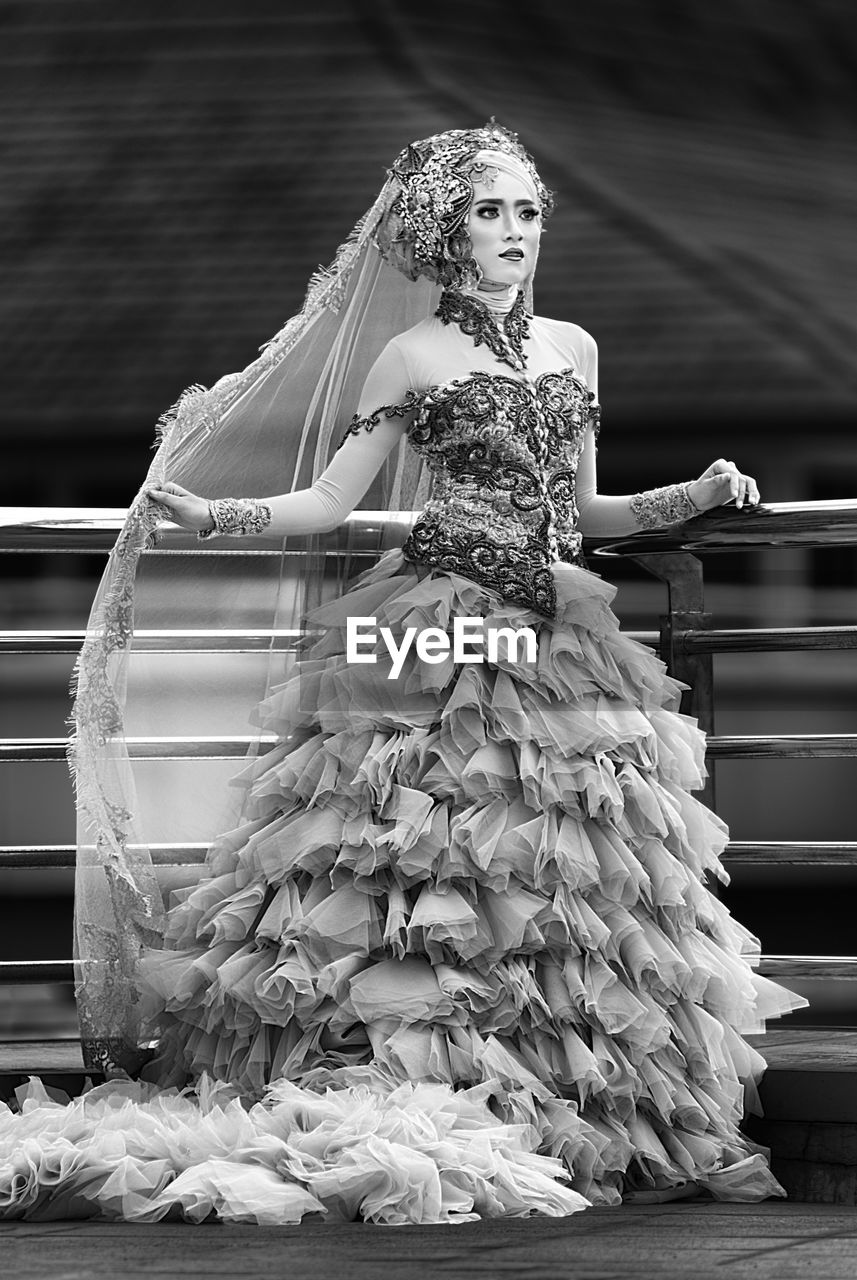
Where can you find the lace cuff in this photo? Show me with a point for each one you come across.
(237, 516)
(670, 505)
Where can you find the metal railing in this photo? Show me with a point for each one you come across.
(686, 641)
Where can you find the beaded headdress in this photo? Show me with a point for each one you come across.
(430, 188)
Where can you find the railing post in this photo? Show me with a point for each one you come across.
(683, 576)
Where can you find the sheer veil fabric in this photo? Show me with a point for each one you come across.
(274, 425)
(276, 422)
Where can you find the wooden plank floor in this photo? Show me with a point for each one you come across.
(770, 1241)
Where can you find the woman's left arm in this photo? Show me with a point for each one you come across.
(603, 515)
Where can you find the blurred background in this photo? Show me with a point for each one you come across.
(172, 172)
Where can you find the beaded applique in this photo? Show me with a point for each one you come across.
(671, 504)
(477, 322)
(413, 400)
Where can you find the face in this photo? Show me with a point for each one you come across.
(505, 225)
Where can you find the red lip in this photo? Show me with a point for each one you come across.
(513, 253)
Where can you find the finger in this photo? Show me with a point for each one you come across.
(751, 495)
(166, 499)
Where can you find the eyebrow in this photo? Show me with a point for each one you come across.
(500, 200)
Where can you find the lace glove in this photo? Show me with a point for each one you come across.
(237, 516)
(658, 507)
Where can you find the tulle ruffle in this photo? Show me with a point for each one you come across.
(470, 897)
(412, 1153)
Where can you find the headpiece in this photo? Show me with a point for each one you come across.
(272, 427)
(430, 188)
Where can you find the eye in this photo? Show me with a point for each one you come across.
(487, 211)
(530, 215)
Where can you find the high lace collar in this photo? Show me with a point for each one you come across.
(498, 302)
(500, 327)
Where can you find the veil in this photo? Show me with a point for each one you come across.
(273, 426)
(142, 788)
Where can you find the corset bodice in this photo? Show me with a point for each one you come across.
(502, 451)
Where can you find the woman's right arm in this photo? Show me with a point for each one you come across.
(378, 426)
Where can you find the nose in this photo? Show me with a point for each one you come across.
(512, 229)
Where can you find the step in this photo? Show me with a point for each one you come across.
(809, 1095)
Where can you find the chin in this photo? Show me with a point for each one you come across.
(506, 275)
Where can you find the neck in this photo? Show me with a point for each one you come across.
(498, 298)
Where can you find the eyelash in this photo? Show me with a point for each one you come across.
(492, 208)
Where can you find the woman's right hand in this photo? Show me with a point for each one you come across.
(185, 508)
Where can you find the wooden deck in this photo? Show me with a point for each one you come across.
(770, 1241)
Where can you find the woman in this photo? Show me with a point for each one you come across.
(460, 941)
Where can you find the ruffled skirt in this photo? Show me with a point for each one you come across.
(460, 960)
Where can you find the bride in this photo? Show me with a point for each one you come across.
(458, 957)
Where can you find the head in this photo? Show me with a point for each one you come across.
(455, 204)
(504, 221)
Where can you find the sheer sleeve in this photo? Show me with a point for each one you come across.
(386, 403)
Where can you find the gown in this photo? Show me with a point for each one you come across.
(461, 958)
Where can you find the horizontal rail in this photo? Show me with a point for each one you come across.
(49, 857)
(201, 641)
(815, 968)
(734, 640)
(95, 529)
(752, 747)
(781, 746)
(738, 852)
(32, 972)
(805, 1048)
(764, 639)
(19, 750)
(776, 524)
(172, 642)
(787, 853)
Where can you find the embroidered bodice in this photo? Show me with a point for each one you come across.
(503, 454)
(502, 445)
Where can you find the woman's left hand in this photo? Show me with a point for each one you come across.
(722, 482)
